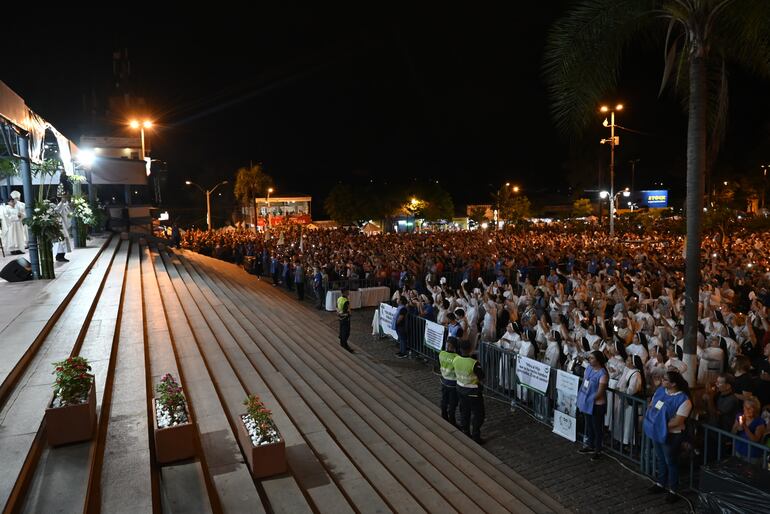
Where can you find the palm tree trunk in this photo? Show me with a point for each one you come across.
(696, 167)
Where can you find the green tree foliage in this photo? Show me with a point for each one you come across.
(347, 204)
(582, 208)
(479, 215)
(438, 202)
(511, 207)
(8, 168)
(251, 183)
(343, 205)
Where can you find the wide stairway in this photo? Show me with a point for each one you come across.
(357, 439)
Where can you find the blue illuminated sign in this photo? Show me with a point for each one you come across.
(656, 199)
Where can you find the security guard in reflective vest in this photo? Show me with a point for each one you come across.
(343, 313)
(469, 374)
(448, 383)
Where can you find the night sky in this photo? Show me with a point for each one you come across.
(319, 97)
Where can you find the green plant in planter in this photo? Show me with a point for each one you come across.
(171, 399)
(262, 418)
(72, 380)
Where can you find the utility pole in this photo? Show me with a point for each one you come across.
(613, 142)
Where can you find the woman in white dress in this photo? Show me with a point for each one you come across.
(553, 351)
(712, 361)
(615, 366)
(488, 330)
(510, 342)
(625, 412)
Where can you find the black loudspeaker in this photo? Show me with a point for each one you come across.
(17, 271)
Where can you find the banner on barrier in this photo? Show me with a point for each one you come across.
(434, 335)
(533, 374)
(565, 410)
(387, 313)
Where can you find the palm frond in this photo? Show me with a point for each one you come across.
(583, 54)
(741, 34)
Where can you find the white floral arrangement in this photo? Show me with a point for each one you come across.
(45, 221)
(82, 211)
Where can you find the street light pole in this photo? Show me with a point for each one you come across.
(207, 192)
(613, 143)
(269, 218)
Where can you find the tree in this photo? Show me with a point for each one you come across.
(343, 204)
(582, 208)
(582, 63)
(251, 183)
(479, 214)
(438, 203)
(511, 207)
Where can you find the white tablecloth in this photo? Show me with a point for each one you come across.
(353, 296)
(373, 296)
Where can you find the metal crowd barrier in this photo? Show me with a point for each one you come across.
(624, 436)
(415, 338)
(719, 444)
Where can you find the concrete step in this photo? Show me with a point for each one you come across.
(234, 379)
(25, 325)
(230, 486)
(385, 419)
(21, 416)
(126, 476)
(183, 486)
(320, 466)
(427, 414)
(73, 465)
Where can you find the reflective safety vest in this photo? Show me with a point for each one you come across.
(464, 372)
(661, 410)
(446, 361)
(588, 389)
(341, 301)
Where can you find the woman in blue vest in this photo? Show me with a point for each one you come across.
(592, 402)
(664, 423)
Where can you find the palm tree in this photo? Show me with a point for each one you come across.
(582, 64)
(251, 183)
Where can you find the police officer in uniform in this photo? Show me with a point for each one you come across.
(448, 382)
(343, 314)
(469, 374)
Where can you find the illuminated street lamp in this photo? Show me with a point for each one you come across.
(269, 218)
(207, 192)
(604, 195)
(135, 124)
(613, 141)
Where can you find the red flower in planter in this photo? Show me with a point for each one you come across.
(170, 397)
(72, 380)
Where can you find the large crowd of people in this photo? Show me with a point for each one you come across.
(573, 299)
